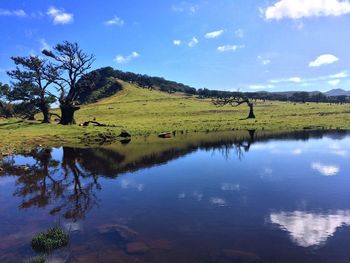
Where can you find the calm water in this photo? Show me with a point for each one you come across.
(235, 197)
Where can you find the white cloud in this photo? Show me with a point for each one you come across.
(264, 61)
(125, 59)
(296, 9)
(227, 48)
(18, 13)
(194, 41)
(115, 21)
(295, 79)
(326, 170)
(330, 79)
(342, 74)
(44, 45)
(323, 60)
(334, 82)
(239, 33)
(185, 7)
(261, 87)
(60, 16)
(288, 80)
(310, 229)
(177, 42)
(214, 34)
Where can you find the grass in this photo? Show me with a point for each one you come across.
(143, 112)
(52, 239)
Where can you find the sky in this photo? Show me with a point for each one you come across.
(247, 45)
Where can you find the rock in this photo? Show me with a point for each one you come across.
(124, 231)
(162, 244)
(136, 248)
(165, 135)
(241, 256)
(124, 134)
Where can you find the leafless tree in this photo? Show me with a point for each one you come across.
(72, 64)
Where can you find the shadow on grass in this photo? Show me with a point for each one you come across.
(23, 122)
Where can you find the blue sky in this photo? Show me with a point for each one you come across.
(272, 45)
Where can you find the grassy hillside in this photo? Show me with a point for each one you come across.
(144, 112)
(141, 111)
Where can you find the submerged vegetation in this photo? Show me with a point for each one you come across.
(52, 239)
(39, 259)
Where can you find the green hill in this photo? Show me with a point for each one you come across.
(145, 112)
(99, 84)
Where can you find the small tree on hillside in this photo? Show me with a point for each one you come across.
(72, 64)
(235, 101)
(31, 82)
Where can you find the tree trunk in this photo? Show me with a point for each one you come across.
(31, 117)
(67, 114)
(251, 111)
(46, 112)
(5, 110)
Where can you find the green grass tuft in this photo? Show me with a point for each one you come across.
(52, 239)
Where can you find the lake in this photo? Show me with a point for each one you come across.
(227, 197)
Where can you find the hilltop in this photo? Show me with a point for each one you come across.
(103, 84)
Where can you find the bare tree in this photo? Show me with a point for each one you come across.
(235, 101)
(71, 64)
(31, 82)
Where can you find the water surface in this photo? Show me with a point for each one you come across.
(228, 197)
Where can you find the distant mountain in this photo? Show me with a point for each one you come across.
(337, 92)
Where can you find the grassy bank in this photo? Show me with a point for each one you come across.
(145, 112)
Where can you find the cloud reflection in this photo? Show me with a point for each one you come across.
(218, 201)
(337, 150)
(310, 229)
(230, 187)
(326, 170)
(129, 184)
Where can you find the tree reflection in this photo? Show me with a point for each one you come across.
(68, 186)
(63, 186)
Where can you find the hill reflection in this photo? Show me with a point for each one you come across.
(68, 183)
